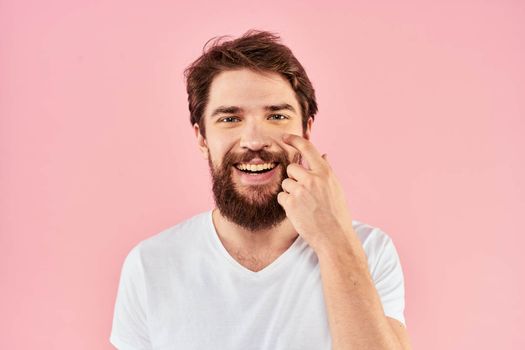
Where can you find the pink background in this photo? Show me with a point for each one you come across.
(421, 113)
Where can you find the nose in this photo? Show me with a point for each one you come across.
(255, 137)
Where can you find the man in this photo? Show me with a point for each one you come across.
(279, 263)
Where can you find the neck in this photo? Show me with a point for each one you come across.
(276, 239)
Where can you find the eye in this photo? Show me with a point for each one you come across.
(279, 115)
(228, 119)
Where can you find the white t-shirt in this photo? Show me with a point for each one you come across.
(181, 289)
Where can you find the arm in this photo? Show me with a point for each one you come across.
(355, 312)
(314, 202)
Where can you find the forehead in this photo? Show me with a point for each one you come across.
(249, 90)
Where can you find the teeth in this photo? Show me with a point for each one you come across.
(255, 167)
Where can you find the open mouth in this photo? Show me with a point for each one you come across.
(256, 168)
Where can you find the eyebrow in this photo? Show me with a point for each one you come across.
(235, 109)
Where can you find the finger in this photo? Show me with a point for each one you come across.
(325, 157)
(290, 186)
(282, 198)
(297, 172)
(306, 148)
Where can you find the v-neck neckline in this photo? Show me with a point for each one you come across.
(273, 267)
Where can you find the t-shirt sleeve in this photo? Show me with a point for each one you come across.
(130, 330)
(388, 277)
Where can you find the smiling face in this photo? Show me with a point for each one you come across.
(246, 115)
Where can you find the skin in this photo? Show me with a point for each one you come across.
(256, 129)
(314, 203)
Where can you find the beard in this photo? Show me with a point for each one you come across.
(253, 207)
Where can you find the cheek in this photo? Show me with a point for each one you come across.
(289, 151)
(216, 146)
(217, 151)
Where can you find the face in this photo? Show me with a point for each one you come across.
(245, 118)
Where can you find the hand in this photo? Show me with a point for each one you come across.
(313, 199)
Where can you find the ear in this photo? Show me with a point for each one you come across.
(308, 131)
(201, 141)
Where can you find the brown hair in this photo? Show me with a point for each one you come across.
(256, 50)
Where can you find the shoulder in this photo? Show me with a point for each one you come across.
(377, 244)
(173, 241)
(370, 236)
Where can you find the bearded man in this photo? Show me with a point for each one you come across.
(279, 263)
